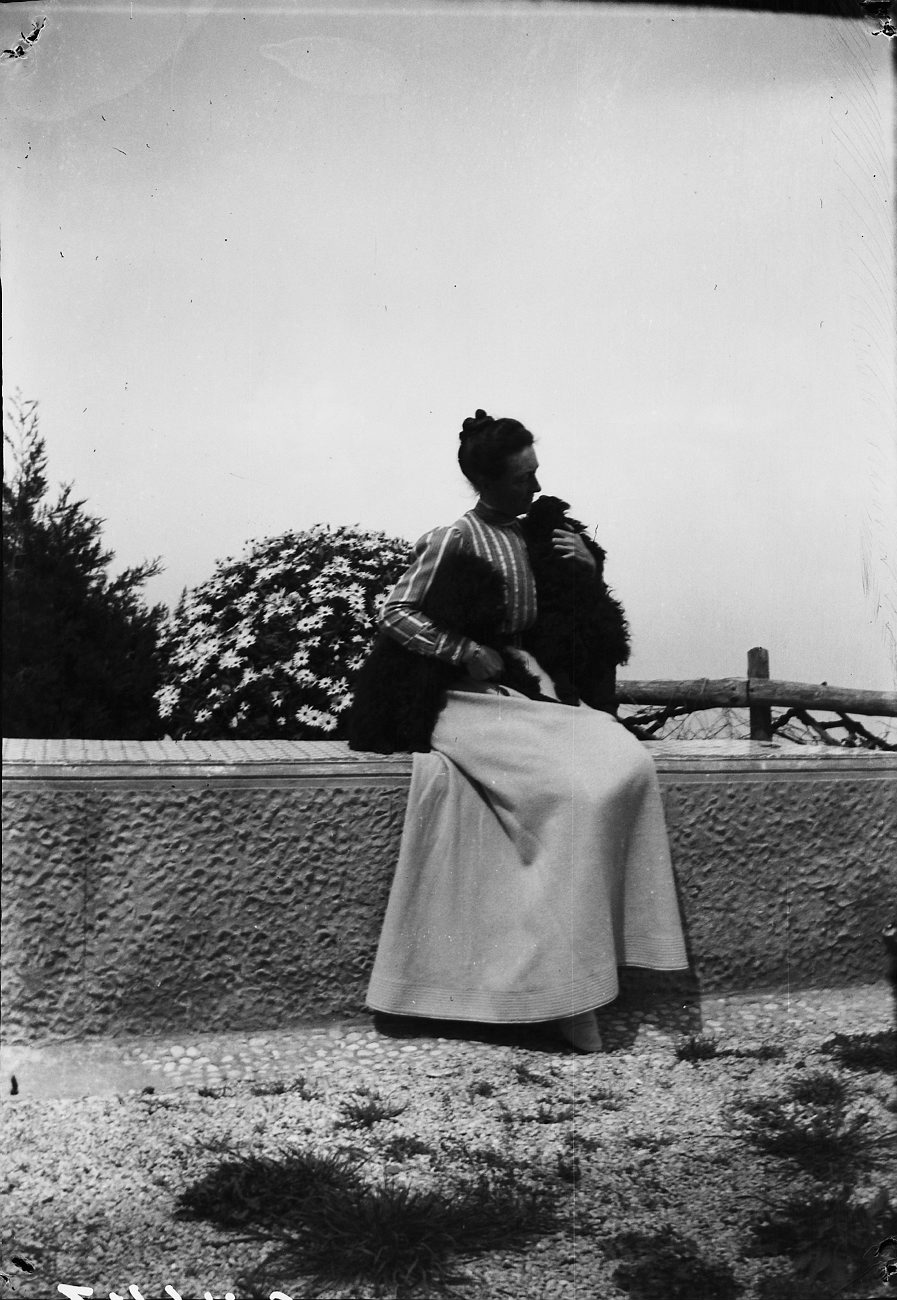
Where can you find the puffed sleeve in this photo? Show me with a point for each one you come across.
(402, 617)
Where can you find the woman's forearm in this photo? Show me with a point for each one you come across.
(412, 629)
(402, 617)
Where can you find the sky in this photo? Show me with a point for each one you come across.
(260, 261)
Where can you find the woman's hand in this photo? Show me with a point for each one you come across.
(570, 546)
(482, 663)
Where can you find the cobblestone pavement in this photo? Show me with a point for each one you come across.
(368, 1047)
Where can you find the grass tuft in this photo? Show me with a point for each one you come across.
(246, 1189)
(762, 1052)
(819, 1088)
(668, 1265)
(325, 1223)
(827, 1240)
(479, 1160)
(606, 1097)
(524, 1074)
(697, 1047)
(704, 1047)
(810, 1122)
(869, 1052)
(581, 1142)
(569, 1167)
(368, 1108)
(554, 1113)
(403, 1145)
(268, 1088)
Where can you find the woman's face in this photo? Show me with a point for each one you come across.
(513, 491)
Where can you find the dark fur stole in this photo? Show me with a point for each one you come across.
(581, 634)
(397, 694)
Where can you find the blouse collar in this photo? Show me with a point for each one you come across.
(495, 517)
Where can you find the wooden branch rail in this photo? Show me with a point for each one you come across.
(743, 692)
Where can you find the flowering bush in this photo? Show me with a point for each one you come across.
(268, 646)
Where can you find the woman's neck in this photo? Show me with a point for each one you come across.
(492, 514)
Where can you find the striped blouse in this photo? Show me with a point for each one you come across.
(483, 532)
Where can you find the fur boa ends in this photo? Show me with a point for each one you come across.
(579, 638)
(581, 634)
(398, 694)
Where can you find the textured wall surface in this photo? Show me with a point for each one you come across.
(785, 878)
(151, 888)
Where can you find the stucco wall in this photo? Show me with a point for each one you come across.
(209, 886)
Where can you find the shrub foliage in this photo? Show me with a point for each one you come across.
(268, 647)
(80, 648)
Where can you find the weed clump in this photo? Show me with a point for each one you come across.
(761, 1052)
(811, 1123)
(268, 1088)
(368, 1108)
(321, 1219)
(868, 1052)
(606, 1097)
(826, 1238)
(403, 1145)
(524, 1074)
(569, 1167)
(697, 1047)
(481, 1088)
(666, 1264)
(547, 1113)
(246, 1189)
(704, 1047)
(819, 1089)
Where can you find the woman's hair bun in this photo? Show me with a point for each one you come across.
(486, 443)
(474, 422)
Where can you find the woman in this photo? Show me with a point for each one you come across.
(534, 858)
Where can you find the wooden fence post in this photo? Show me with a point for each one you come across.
(760, 714)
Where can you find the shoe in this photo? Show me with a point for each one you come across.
(581, 1032)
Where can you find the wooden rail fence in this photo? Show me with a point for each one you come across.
(757, 693)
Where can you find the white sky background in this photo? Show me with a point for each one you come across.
(258, 264)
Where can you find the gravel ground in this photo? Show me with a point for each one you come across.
(744, 1152)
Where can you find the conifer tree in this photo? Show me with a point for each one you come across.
(80, 647)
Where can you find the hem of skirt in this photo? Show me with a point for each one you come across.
(395, 997)
(678, 964)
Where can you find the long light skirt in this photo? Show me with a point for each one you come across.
(534, 862)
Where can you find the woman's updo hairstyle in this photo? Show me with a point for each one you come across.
(486, 445)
